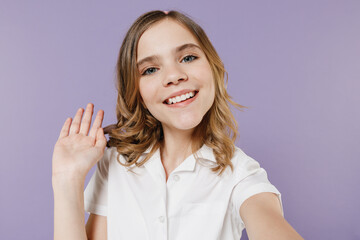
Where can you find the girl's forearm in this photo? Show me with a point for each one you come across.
(69, 221)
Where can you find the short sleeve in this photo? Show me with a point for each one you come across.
(96, 192)
(254, 181)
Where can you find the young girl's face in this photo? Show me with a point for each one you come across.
(170, 60)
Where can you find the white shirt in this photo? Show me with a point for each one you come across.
(194, 203)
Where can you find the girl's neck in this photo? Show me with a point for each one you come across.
(173, 153)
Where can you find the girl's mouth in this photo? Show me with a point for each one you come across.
(183, 103)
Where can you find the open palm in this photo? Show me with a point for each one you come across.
(76, 152)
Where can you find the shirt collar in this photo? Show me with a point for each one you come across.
(156, 169)
(205, 152)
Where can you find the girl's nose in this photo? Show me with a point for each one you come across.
(173, 74)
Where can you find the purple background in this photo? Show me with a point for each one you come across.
(295, 64)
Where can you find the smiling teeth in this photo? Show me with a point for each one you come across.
(180, 98)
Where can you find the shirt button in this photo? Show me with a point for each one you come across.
(176, 178)
(161, 218)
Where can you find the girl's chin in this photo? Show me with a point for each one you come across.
(183, 126)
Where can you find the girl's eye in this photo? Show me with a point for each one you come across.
(190, 58)
(149, 71)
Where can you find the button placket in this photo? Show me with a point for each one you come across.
(161, 219)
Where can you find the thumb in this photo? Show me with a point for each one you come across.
(100, 139)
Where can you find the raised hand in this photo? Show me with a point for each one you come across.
(76, 152)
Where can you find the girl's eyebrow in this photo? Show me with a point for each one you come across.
(177, 49)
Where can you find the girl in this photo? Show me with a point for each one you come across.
(170, 169)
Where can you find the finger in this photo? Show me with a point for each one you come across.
(97, 123)
(100, 139)
(86, 121)
(65, 129)
(74, 128)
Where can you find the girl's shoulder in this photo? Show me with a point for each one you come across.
(244, 165)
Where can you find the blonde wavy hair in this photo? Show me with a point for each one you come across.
(137, 129)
